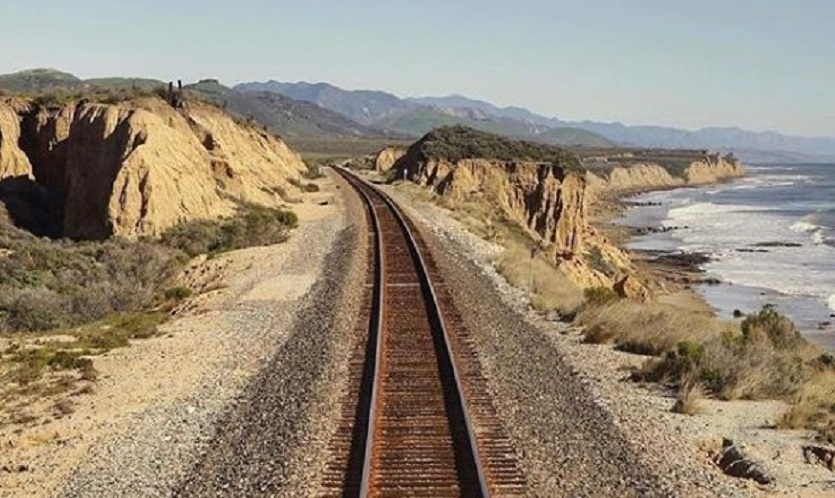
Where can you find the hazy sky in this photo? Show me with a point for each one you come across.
(760, 64)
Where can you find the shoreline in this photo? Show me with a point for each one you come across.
(657, 252)
(658, 255)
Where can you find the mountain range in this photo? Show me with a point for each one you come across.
(321, 113)
(419, 115)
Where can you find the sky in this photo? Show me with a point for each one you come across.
(757, 64)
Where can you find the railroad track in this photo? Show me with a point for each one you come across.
(417, 419)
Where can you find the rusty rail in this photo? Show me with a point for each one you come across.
(412, 432)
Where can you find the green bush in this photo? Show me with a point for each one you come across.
(768, 359)
(314, 171)
(598, 262)
(454, 143)
(253, 226)
(177, 293)
(770, 326)
(600, 295)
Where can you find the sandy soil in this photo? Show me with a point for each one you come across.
(198, 344)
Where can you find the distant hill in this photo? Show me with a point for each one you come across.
(124, 83)
(37, 80)
(461, 102)
(363, 106)
(425, 119)
(417, 117)
(284, 116)
(454, 143)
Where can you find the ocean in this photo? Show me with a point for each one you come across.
(770, 237)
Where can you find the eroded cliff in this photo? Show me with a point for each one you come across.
(546, 199)
(135, 168)
(642, 176)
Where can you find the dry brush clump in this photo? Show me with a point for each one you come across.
(550, 289)
(766, 359)
(47, 285)
(689, 398)
(814, 406)
(642, 328)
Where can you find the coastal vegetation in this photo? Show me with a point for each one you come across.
(454, 143)
(63, 302)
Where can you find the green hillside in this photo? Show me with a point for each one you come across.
(454, 143)
(424, 119)
(37, 80)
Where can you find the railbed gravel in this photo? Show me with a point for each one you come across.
(274, 442)
(573, 438)
(261, 435)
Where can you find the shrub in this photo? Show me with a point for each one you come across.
(599, 295)
(688, 400)
(314, 171)
(598, 262)
(177, 293)
(253, 226)
(814, 407)
(57, 284)
(770, 326)
(765, 360)
(552, 290)
(649, 329)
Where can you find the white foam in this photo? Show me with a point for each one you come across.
(805, 226)
(831, 302)
(724, 229)
(819, 238)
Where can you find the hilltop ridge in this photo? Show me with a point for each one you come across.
(421, 114)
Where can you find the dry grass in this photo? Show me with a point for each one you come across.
(651, 328)
(550, 289)
(765, 359)
(690, 396)
(814, 407)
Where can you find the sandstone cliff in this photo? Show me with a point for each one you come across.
(546, 200)
(638, 177)
(13, 162)
(136, 168)
(387, 158)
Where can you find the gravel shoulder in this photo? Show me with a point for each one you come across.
(580, 427)
(157, 404)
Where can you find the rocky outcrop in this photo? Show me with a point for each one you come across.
(734, 461)
(13, 162)
(136, 168)
(387, 158)
(713, 169)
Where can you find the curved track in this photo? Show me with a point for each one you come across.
(409, 427)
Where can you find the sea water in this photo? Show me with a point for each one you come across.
(770, 237)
